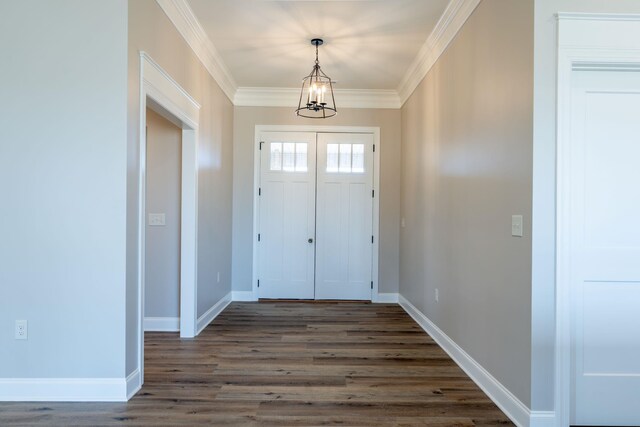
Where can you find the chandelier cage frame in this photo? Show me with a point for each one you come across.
(317, 100)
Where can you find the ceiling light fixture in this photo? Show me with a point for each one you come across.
(316, 98)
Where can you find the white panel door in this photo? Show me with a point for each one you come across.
(605, 242)
(286, 251)
(344, 216)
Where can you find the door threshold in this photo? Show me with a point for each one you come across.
(315, 301)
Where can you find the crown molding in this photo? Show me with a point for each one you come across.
(450, 23)
(598, 16)
(289, 97)
(185, 21)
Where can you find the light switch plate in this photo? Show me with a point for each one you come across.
(156, 219)
(517, 226)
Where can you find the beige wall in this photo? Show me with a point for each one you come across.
(245, 121)
(467, 135)
(151, 31)
(162, 247)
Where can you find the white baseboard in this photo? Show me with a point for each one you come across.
(70, 389)
(134, 383)
(63, 389)
(543, 419)
(243, 296)
(388, 298)
(380, 298)
(501, 396)
(162, 324)
(212, 313)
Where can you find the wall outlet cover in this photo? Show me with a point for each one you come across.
(22, 331)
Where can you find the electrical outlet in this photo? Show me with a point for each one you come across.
(218, 277)
(437, 295)
(22, 332)
(403, 223)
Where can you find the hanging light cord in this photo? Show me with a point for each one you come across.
(317, 67)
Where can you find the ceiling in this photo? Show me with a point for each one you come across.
(369, 44)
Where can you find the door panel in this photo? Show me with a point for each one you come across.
(287, 215)
(605, 241)
(345, 216)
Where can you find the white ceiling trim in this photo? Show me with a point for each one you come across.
(289, 97)
(450, 23)
(185, 21)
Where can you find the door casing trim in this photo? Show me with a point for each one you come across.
(375, 131)
(597, 42)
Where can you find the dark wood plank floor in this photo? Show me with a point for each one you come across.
(290, 364)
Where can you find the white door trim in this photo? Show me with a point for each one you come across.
(585, 42)
(163, 94)
(375, 131)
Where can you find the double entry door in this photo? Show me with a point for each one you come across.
(315, 221)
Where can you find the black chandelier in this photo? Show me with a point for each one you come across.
(316, 98)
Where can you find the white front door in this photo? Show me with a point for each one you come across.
(344, 216)
(286, 250)
(605, 242)
(292, 263)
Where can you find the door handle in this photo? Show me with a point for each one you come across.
(310, 240)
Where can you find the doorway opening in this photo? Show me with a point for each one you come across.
(162, 230)
(166, 98)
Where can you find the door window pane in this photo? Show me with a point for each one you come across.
(301, 157)
(357, 161)
(294, 157)
(288, 156)
(345, 158)
(276, 156)
(332, 157)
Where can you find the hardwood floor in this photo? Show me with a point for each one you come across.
(289, 364)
